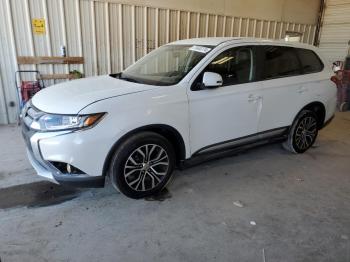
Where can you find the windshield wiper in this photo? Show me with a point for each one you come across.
(129, 79)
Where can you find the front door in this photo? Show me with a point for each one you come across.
(220, 116)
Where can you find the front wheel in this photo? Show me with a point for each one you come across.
(142, 165)
(303, 132)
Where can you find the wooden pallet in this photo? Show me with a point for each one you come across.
(57, 76)
(49, 60)
(39, 60)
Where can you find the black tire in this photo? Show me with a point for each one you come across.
(303, 132)
(343, 107)
(135, 174)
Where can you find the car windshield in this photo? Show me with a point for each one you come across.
(165, 66)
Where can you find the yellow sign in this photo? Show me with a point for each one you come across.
(39, 26)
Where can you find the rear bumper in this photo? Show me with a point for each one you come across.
(326, 123)
(47, 170)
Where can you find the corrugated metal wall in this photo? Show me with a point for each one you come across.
(110, 36)
(335, 31)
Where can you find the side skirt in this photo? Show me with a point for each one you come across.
(235, 146)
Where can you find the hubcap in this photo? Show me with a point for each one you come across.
(146, 167)
(306, 132)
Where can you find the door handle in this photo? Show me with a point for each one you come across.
(302, 90)
(253, 98)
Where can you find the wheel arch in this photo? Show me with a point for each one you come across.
(319, 109)
(169, 132)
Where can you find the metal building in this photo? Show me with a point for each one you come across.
(335, 30)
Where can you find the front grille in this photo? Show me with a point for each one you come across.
(30, 114)
(27, 134)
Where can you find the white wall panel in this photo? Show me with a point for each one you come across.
(88, 33)
(8, 66)
(73, 31)
(41, 44)
(128, 36)
(335, 31)
(150, 29)
(57, 31)
(36, 9)
(108, 34)
(21, 29)
(102, 38)
(114, 37)
(162, 27)
(3, 108)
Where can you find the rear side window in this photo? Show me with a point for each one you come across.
(279, 61)
(310, 62)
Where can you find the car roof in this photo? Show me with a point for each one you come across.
(215, 41)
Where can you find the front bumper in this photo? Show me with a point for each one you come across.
(47, 170)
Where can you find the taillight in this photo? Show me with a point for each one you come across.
(334, 79)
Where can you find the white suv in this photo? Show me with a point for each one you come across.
(184, 102)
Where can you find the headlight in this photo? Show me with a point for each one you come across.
(49, 122)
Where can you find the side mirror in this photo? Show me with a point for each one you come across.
(211, 80)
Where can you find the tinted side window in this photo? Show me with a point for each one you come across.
(234, 65)
(309, 61)
(279, 62)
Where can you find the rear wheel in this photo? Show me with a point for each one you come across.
(142, 165)
(303, 132)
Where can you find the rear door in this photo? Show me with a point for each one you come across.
(282, 87)
(317, 84)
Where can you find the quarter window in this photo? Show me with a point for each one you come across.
(234, 65)
(279, 61)
(309, 61)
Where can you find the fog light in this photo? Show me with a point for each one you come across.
(66, 168)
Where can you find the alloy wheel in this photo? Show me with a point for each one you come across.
(146, 167)
(306, 132)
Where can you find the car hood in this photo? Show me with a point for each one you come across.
(70, 97)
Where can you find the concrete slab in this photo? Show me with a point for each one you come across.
(299, 203)
(15, 168)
